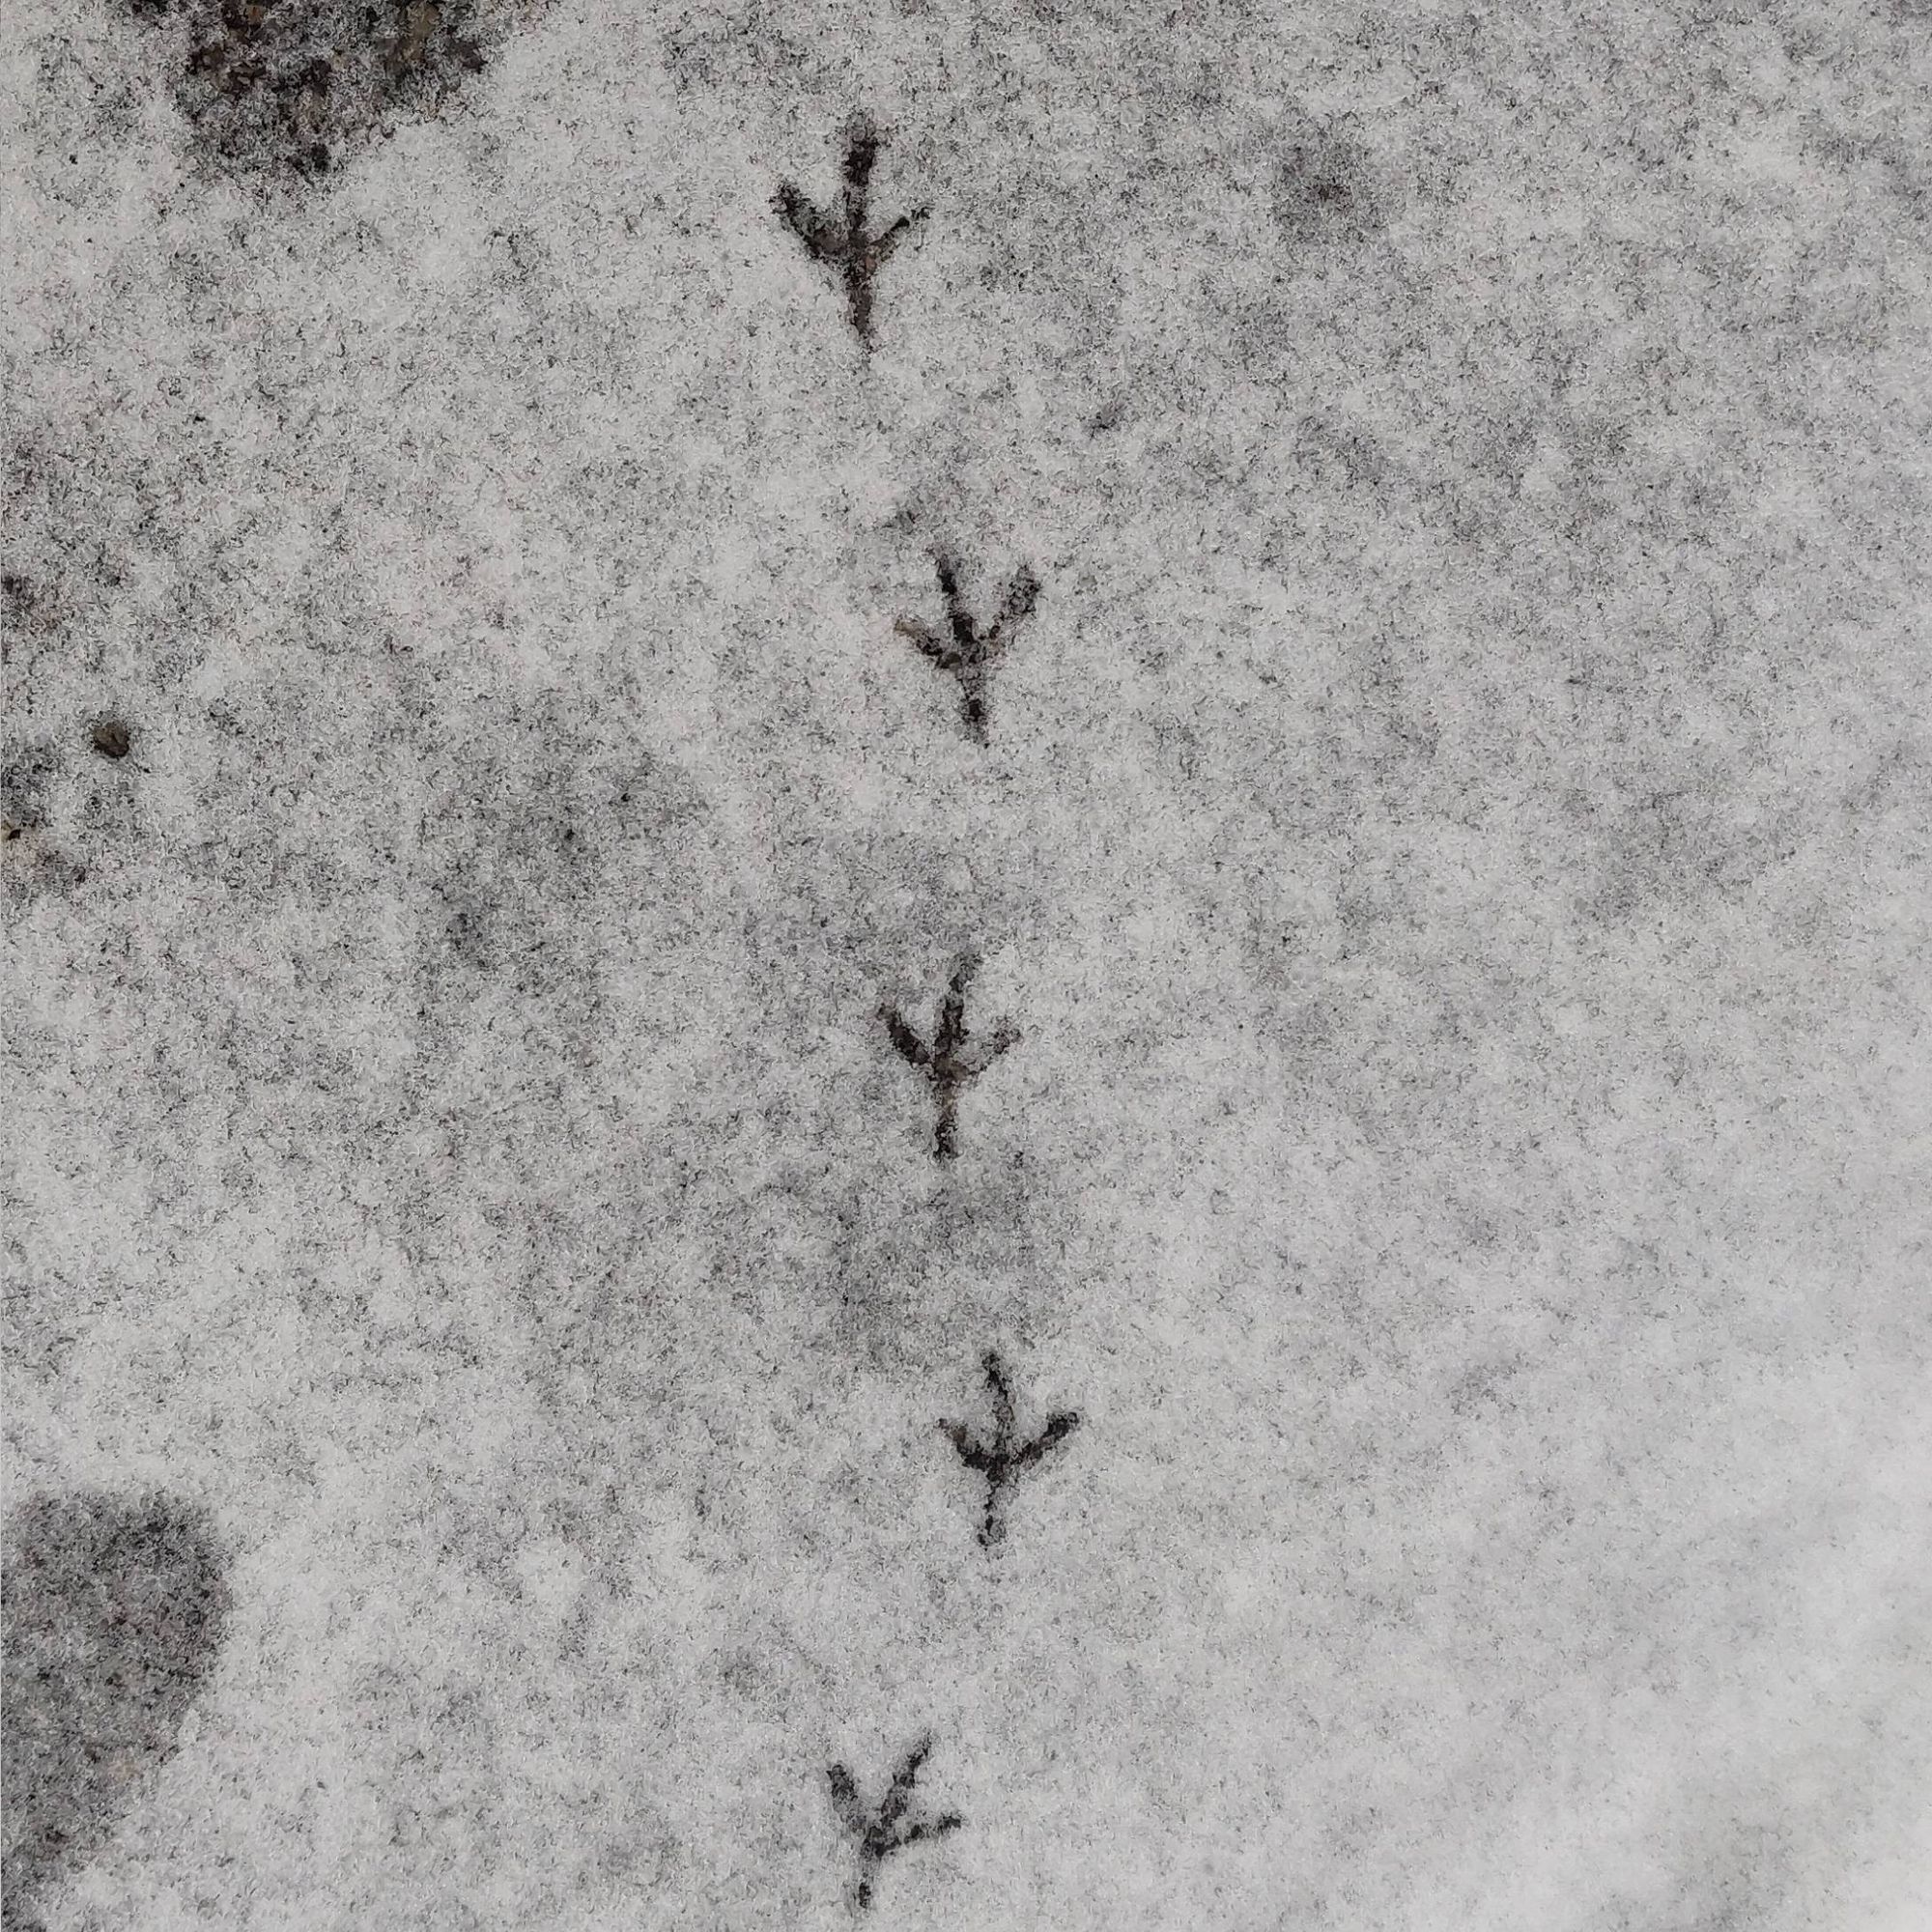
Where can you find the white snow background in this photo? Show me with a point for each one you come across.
(1454, 843)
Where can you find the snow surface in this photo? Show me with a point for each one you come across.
(1452, 846)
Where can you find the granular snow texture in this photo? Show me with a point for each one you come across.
(967, 966)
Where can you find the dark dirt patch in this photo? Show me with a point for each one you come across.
(111, 738)
(25, 779)
(1322, 194)
(287, 87)
(115, 1608)
(17, 598)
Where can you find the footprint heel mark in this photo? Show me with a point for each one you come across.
(886, 1829)
(114, 1610)
(841, 242)
(1003, 1458)
(969, 653)
(953, 1058)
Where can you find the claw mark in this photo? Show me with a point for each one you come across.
(952, 1058)
(888, 1830)
(968, 652)
(1004, 1458)
(844, 246)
